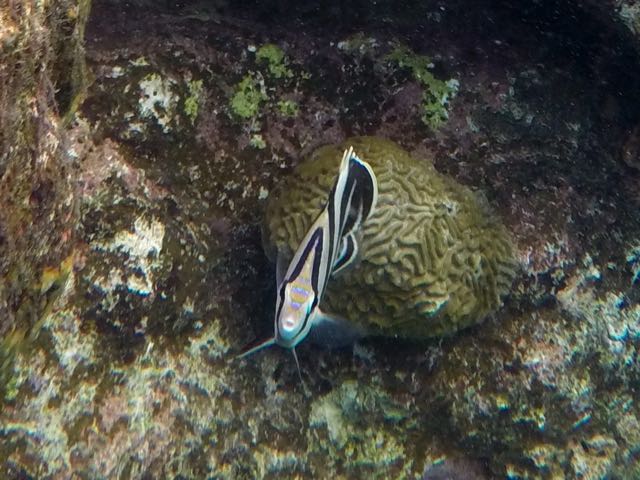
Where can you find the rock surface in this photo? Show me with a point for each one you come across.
(187, 128)
(42, 77)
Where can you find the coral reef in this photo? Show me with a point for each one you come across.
(132, 264)
(432, 259)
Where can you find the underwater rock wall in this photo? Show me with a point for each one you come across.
(623, 14)
(197, 110)
(42, 78)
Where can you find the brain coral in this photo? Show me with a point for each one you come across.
(433, 259)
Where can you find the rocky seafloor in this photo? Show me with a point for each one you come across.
(192, 113)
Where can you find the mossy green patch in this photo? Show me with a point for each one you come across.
(248, 96)
(436, 93)
(11, 389)
(276, 60)
(288, 108)
(192, 102)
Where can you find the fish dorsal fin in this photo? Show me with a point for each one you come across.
(348, 253)
(365, 192)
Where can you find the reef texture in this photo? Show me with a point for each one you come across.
(432, 258)
(147, 282)
(41, 70)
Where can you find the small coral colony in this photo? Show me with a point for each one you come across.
(375, 242)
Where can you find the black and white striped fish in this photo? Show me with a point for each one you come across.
(329, 246)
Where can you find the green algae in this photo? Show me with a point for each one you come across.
(249, 95)
(192, 102)
(277, 62)
(11, 387)
(436, 93)
(288, 108)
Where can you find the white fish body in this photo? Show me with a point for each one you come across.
(329, 246)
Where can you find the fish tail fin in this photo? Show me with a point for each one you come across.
(267, 343)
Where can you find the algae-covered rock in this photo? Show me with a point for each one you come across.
(357, 423)
(42, 76)
(433, 258)
(552, 392)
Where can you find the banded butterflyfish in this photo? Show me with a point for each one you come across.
(328, 247)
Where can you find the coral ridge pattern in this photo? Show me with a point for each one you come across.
(433, 258)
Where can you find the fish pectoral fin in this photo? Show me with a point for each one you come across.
(251, 350)
(348, 253)
(333, 331)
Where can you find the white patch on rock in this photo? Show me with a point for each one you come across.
(143, 246)
(329, 413)
(633, 260)
(116, 72)
(157, 100)
(64, 327)
(615, 325)
(629, 12)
